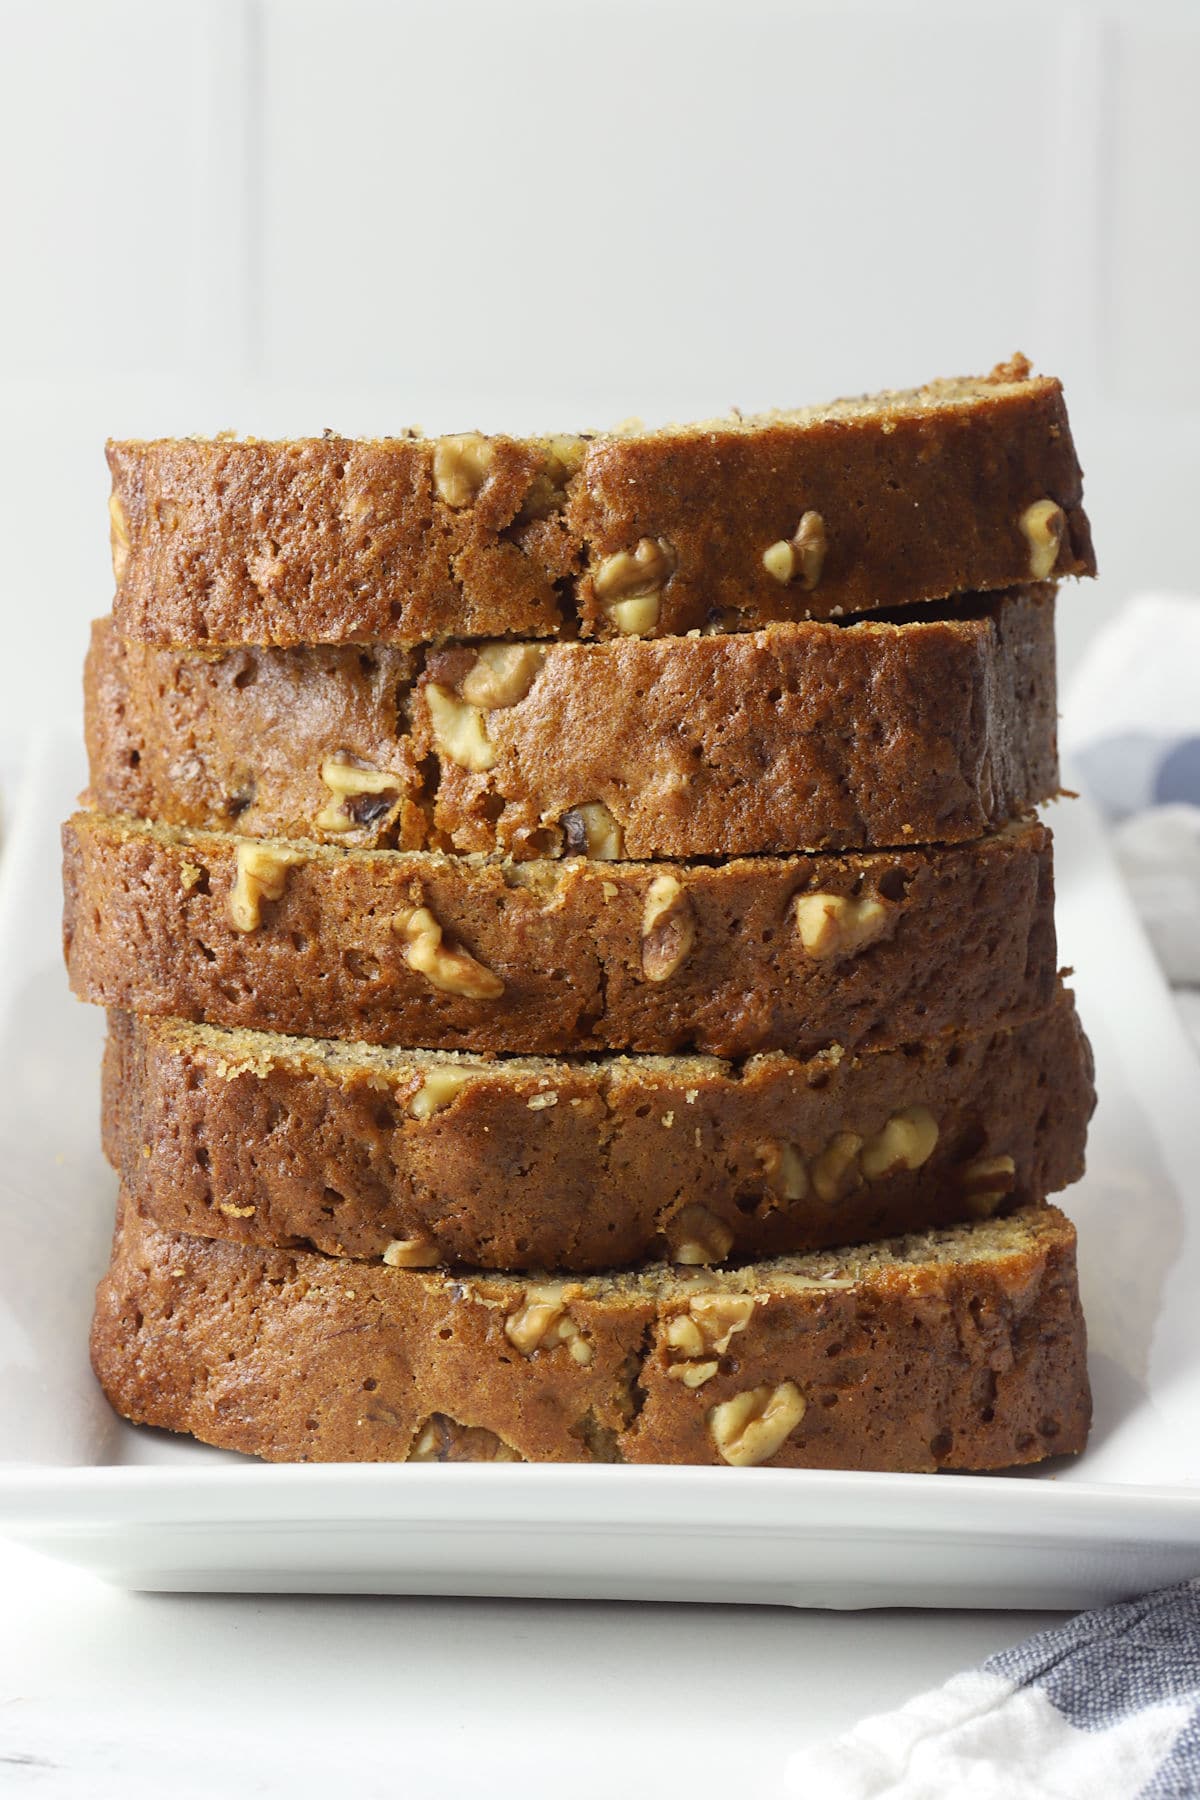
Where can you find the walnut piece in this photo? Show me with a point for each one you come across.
(411, 1253)
(443, 1439)
(591, 830)
(668, 928)
(753, 1426)
(800, 558)
(633, 572)
(458, 730)
(450, 971)
(785, 1169)
(833, 925)
(262, 871)
(985, 1182)
(548, 490)
(696, 1235)
(542, 1320)
(629, 584)
(636, 616)
(438, 1088)
(693, 1374)
(1042, 526)
(697, 1337)
(460, 467)
(118, 537)
(502, 674)
(906, 1141)
(835, 1172)
(685, 1337)
(361, 796)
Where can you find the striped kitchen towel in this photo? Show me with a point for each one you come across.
(1105, 1707)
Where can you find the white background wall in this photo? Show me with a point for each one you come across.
(278, 215)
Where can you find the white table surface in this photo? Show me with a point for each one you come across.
(118, 1696)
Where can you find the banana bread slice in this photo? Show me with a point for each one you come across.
(729, 524)
(799, 737)
(520, 1163)
(791, 953)
(956, 1349)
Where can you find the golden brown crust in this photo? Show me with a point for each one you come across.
(522, 1163)
(961, 938)
(333, 540)
(963, 1350)
(803, 737)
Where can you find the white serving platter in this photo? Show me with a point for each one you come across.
(145, 1510)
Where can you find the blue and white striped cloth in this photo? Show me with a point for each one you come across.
(1105, 1707)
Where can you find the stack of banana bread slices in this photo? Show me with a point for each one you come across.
(578, 944)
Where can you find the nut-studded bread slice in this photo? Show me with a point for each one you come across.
(526, 1162)
(864, 504)
(791, 953)
(959, 1349)
(799, 737)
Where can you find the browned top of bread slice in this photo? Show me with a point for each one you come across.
(729, 524)
(763, 953)
(518, 1162)
(954, 1349)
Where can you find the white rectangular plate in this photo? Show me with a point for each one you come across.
(147, 1510)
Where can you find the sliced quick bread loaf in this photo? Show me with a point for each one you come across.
(959, 1349)
(526, 1162)
(733, 523)
(792, 953)
(799, 737)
